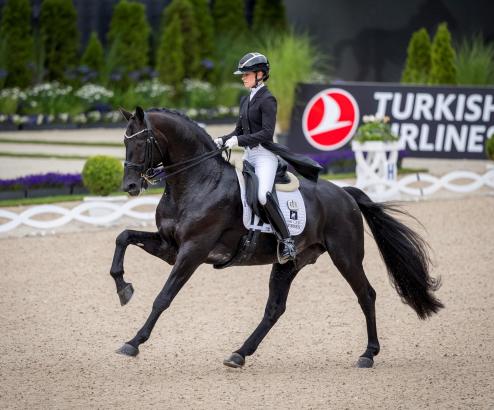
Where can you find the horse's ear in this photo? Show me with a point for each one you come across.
(140, 114)
(125, 113)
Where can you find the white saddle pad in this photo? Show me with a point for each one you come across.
(291, 204)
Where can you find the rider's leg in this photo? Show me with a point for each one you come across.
(265, 164)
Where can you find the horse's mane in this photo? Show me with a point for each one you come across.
(200, 131)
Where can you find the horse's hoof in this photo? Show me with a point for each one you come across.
(364, 362)
(128, 350)
(125, 294)
(235, 360)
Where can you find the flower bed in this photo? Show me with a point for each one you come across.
(53, 105)
(39, 185)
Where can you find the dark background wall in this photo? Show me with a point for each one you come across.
(365, 40)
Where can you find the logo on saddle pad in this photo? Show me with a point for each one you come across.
(292, 205)
(330, 119)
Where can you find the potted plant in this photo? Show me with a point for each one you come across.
(376, 153)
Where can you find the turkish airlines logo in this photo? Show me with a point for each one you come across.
(330, 119)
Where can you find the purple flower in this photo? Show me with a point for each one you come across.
(3, 73)
(49, 180)
(207, 64)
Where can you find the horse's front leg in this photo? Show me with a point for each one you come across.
(189, 257)
(279, 286)
(151, 242)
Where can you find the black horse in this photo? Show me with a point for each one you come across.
(199, 220)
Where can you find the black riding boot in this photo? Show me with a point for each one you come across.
(277, 221)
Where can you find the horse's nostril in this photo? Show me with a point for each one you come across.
(130, 187)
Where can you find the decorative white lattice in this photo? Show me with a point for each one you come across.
(470, 181)
(109, 212)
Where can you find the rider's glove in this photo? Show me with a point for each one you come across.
(218, 142)
(231, 142)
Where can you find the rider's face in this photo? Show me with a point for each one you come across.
(249, 79)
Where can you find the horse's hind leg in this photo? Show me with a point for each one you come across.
(151, 242)
(348, 260)
(279, 286)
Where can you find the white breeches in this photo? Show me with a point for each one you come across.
(265, 164)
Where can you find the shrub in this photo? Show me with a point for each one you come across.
(475, 62)
(443, 68)
(60, 37)
(94, 57)
(269, 15)
(375, 129)
(129, 42)
(171, 57)
(489, 147)
(292, 60)
(102, 174)
(17, 42)
(229, 18)
(418, 63)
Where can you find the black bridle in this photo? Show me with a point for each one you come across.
(152, 174)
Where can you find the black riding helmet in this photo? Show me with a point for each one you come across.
(253, 62)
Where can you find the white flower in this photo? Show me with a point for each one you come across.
(94, 116)
(3, 118)
(80, 119)
(365, 118)
(64, 117)
(93, 92)
(39, 119)
(371, 118)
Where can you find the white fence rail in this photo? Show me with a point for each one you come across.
(99, 213)
(103, 213)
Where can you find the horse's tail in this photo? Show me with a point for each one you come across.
(404, 252)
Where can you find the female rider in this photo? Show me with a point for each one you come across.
(254, 131)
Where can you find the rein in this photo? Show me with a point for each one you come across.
(153, 175)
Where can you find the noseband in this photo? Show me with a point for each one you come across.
(153, 175)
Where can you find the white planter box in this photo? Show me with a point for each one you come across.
(376, 168)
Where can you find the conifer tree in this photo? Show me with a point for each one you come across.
(229, 18)
(191, 40)
(59, 37)
(171, 57)
(443, 67)
(418, 61)
(269, 15)
(205, 27)
(17, 42)
(94, 57)
(129, 39)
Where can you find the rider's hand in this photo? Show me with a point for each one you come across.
(218, 142)
(231, 142)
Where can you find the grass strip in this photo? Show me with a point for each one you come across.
(50, 142)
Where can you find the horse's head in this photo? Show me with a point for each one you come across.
(139, 146)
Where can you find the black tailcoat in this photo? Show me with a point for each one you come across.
(256, 124)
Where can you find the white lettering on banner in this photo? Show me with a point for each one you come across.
(382, 101)
(423, 106)
(488, 108)
(407, 111)
(458, 138)
(473, 102)
(460, 107)
(424, 145)
(438, 111)
(476, 138)
(442, 107)
(440, 137)
(409, 133)
(446, 138)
